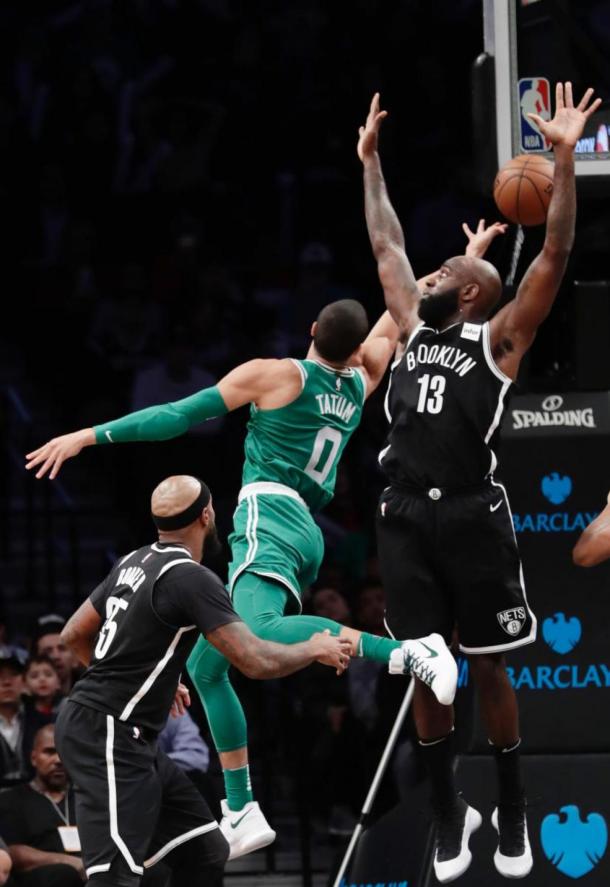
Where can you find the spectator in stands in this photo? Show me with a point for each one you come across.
(48, 642)
(13, 766)
(42, 685)
(6, 863)
(331, 604)
(37, 820)
(181, 741)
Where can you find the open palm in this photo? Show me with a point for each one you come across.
(568, 124)
(368, 134)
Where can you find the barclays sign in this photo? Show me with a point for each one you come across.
(562, 635)
(575, 846)
(556, 489)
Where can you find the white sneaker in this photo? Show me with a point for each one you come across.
(246, 829)
(453, 830)
(513, 858)
(430, 660)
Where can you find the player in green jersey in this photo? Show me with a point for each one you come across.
(302, 414)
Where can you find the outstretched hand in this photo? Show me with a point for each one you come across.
(53, 454)
(480, 240)
(568, 124)
(369, 133)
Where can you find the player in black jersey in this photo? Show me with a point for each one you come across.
(135, 632)
(447, 548)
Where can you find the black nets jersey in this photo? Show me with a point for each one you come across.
(155, 603)
(445, 400)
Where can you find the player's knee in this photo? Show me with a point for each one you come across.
(488, 669)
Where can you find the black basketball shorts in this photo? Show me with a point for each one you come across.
(449, 560)
(130, 797)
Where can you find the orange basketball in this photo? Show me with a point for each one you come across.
(523, 189)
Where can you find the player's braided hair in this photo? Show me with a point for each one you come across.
(342, 327)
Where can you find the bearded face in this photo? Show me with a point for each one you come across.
(436, 309)
(213, 545)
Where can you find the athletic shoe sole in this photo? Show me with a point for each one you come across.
(512, 866)
(453, 868)
(250, 843)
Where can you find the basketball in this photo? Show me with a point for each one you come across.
(523, 189)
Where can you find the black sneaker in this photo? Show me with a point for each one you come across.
(454, 826)
(513, 858)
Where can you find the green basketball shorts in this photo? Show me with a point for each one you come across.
(274, 535)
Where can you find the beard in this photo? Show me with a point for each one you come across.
(212, 543)
(436, 310)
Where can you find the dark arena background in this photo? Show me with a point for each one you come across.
(181, 193)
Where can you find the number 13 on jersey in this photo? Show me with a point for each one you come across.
(431, 393)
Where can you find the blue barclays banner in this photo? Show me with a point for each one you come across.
(568, 819)
(556, 485)
(572, 414)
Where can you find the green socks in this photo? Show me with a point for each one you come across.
(376, 648)
(238, 787)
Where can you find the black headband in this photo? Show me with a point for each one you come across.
(186, 517)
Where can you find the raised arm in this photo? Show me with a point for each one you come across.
(245, 384)
(382, 340)
(395, 273)
(265, 659)
(514, 327)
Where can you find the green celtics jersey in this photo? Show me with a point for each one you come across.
(300, 445)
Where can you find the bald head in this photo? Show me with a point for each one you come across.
(44, 737)
(174, 495)
(470, 269)
(183, 512)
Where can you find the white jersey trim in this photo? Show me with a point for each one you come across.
(251, 525)
(181, 839)
(301, 370)
(361, 375)
(531, 637)
(93, 869)
(497, 415)
(152, 677)
(383, 453)
(127, 556)
(112, 800)
(493, 366)
(269, 488)
(181, 560)
(181, 549)
(341, 371)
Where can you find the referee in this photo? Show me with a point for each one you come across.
(134, 806)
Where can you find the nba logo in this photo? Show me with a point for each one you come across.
(534, 98)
